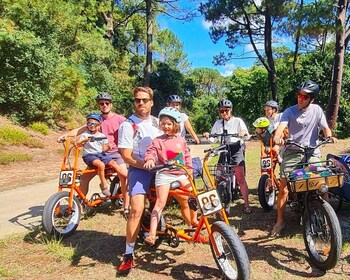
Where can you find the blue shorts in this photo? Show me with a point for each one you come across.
(116, 157)
(139, 181)
(89, 158)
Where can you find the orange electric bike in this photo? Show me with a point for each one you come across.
(227, 249)
(268, 182)
(62, 211)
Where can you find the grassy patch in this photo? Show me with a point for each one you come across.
(7, 158)
(57, 249)
(40, 127)
(15, 136)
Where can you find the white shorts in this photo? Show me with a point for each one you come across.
(167, 179)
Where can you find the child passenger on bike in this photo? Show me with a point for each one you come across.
(94, 151)
(264, 129)
(169, 146)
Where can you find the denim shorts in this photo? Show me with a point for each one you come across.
(116, 157)
(89, 158)
(139, 181)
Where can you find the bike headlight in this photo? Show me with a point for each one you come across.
(323, 189)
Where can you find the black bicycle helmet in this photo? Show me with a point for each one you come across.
(273, 104)
(225, 103)
(103, 96)
(173, 98)
(94, 116)
(310, 87)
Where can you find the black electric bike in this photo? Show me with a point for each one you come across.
(308, 184)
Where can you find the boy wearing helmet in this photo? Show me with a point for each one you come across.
(264, 130)
(169, 146)
(175, 102)
(94, 152)
(233, 125)
(303, 120)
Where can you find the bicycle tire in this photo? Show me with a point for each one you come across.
(114, 189)
(224, 191)
(57, 220)
(266, 192)
(233, 261)
(321, 226)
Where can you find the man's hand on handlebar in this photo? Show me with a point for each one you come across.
(206, 135)
(332, 139)
(278, 141)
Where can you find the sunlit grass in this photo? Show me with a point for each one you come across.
(15, 136)
(7, 158)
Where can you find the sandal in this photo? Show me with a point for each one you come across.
(151, 239)
(247, 210)
(126, 213)
(277, 230)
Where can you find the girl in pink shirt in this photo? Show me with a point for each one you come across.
(166, 147)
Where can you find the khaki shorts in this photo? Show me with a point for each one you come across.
(290, 159)
(166, 179)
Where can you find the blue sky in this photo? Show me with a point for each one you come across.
(199, 47)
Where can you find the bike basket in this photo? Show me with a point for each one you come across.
(312, 176)
(220, 170)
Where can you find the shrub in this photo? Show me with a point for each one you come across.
(13, 135)
(7, 158)
(40, 127)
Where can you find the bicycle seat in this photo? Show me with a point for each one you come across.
(175, 185)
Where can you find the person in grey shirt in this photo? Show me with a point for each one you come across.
(303, 120)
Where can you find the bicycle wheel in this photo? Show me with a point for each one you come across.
(115, 189)
(231, 258)
(266, 192)
(322, 234)
(223, 189)
(57, 219)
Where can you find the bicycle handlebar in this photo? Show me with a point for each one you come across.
(303, 147)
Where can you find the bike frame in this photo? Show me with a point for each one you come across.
(268, 162)
(202, 198)
(70, 174)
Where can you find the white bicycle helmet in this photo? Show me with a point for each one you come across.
(171, 112)
(273, 104)
(173, 98)
(225, 103)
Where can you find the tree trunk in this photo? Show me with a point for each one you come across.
(269, 55)
(149, 21)
(337, 75)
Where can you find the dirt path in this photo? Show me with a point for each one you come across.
(24, 197)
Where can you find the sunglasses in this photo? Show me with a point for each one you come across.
(303, 97)
(224, 111)
(104, 103)
(144, 100)
(92, 124)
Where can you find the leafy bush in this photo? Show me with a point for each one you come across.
(7, 158)
(40, 127)
(15, 136)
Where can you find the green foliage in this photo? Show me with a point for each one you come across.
(7, 158)
(204, 113)
(40, 127)
(15, 136)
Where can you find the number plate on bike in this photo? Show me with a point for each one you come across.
(209, 202)
(265, 163)
(66, 177)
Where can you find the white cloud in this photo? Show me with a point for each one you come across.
(206, 24)
(228, 69)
